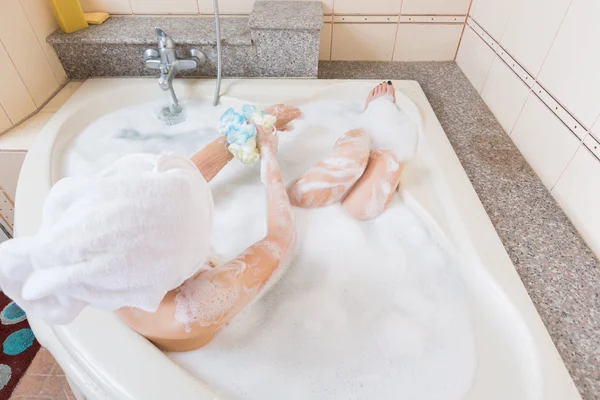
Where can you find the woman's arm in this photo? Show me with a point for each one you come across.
(211, 159)
(243, 277)
(213, 297)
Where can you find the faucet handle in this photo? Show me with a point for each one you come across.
(149, 54)
(164, 41)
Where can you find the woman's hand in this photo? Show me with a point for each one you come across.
(284, 115)
(266, 139)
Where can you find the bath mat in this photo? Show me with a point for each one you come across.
(19, 346)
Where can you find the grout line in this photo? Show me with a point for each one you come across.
(39, 43)
(594, 125)
(331, 33)
(510, 15)
(9, 120)
(397, 29)
(37, 111)
(553, 40)
(487, 74)
(521, 110)
(567, 166)
(23, 82)
(463, 29)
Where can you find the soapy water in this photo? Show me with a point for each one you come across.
(365, 310)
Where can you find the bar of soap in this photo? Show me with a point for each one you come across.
(96, 18)
(69, 15)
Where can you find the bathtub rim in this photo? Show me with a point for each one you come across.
(483, 246)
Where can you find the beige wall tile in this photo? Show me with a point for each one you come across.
(40, 16)
(244, 6)
(109, 6)
(450, 7)
(373, 42)
(544, 141)
(505, 94)
(23, 136)
(325, 46)
(5, 123)
(474, 58)
(427, 42)
(531, 29)
(578, 193)
(226, 6)
(493, 15)
(571, 71)
(164, 6)
(367, 7)
(14, 97)
(61, 97)
(25, 51)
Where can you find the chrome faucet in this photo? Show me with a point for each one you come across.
(165, 59)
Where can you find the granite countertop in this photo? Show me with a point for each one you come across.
(558, 270)
(140, 30)
(287, 15)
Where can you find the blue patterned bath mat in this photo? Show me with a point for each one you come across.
(19, 346)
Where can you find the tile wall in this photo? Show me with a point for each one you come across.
(536, 63)
(383, 30)
(30, 72)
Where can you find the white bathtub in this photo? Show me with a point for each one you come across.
(103, 358)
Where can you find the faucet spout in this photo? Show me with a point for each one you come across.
(165, 81)
(164, 58)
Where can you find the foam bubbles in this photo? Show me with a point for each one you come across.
(366, 310)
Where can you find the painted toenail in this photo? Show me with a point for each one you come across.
(389, 82)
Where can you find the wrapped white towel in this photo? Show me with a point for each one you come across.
(123, 237)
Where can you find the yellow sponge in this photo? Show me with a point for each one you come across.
(69, 15)
(95, 18)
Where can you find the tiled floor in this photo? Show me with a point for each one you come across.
(43, 380)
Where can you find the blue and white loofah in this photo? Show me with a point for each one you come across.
(240, 130)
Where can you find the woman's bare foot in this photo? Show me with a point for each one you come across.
(386, 89)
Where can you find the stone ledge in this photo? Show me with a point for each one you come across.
(284, 15)
(279, 39)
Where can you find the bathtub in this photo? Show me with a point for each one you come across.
(103, 358)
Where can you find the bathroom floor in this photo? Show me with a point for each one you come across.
(559, 271)
(43, 380)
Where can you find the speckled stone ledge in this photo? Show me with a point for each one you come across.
(558, 270)
(282, 40)
(296, 27)
(287, 15)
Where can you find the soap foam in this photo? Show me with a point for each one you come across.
(366, 310)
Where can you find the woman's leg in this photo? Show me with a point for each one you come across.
(329, 180)
(376, 187)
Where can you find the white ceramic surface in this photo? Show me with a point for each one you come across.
(505, 94)
(103, 358)
(475, 58)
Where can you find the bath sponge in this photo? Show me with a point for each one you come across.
(96, 18)
(69, 15)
